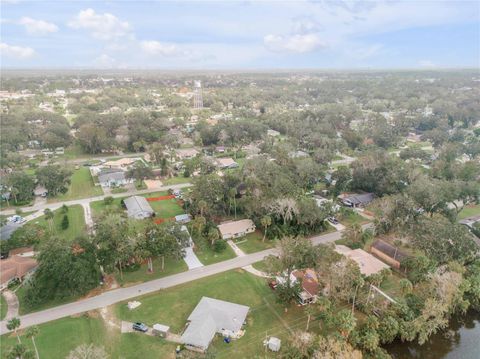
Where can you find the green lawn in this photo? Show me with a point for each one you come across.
(76, 219)
(207, 256)
(261, 266)
(3, 307)
(166, 208)
(99, 207)
(176, 180)
(351, 218)
(252, 243)
(469, 211)
(172, 266)
(173, 306)
(81, 186)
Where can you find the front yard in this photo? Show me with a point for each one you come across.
(81, 186)
(141, 275)
(252, 243)
(469, 211)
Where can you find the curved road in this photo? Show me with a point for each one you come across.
(118, 295)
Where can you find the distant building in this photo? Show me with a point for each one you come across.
(186, 153)
(113, 178)
(226, 163)
(235, 229)
(138, 207)
(273, 133)
(212, 316)
(357, 200)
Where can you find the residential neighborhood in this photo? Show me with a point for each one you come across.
(235, 187)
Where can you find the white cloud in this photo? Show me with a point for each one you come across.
(17, 52)
(102, 26)
(37, 27)
(152, 47)
(105, 61)
(300, 43)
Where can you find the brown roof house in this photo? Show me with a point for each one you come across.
(235, 229)
(17, 266)
(310, 287)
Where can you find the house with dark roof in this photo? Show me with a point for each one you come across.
(138, 207)
(357, 200)
(212, 316)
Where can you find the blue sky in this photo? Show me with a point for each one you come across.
(240, 34)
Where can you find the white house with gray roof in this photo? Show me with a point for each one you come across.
(212, 316)
(113, 178)
(138, 207)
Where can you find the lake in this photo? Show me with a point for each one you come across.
(461, 340)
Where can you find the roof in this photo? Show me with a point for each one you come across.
(235, 227)
(136, 204)
(363, 198)
(111, 175)
(186, 152)
(182, 217)
(16, 267)
(368, 264)
(211, 316)
(226, 162)
(161, 327)
(309, 280)
(121, 162)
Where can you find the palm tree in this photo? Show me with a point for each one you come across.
(309, 311)
(19, 351)
(32, 332)
(266, 222)
(232, 193)
(202, 206)
(405, 286)
(14, 324)
(213, 235)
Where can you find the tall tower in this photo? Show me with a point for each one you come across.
(197, 95)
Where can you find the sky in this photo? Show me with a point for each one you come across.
(239, 34)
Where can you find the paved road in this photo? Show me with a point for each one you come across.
(122, 294)
(84, 201)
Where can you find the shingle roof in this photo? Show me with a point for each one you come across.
(15, 267)
(105, 176)
(137, 204)
(235, 227)
(211, 316)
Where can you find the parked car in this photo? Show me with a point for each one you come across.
(333, 220)
(140, 327)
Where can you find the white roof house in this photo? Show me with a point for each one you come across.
(368, 264)
(212, 316)
(138, 207)
(226, 162)
(235, 229)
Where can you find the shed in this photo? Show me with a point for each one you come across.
(274, 344)
(161, 330)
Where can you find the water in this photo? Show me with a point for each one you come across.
(461, 340)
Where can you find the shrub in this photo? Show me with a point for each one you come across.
(65, 222)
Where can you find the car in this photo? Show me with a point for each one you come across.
(332, 220)
(140, 327)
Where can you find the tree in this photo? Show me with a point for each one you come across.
(405, 286)
(108, 200)
(418, 268)
(54, 178)
(88, 351)
(49, 215)
(213, 235)
(19, 351)
(21, 186)
(32, 332)
(92, 138)
(266, 222)
(64, 209)
(344, 322)
(14, 324)
(65, 223)
(140, 172)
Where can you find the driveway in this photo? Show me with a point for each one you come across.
(122, 294)
(12, 304)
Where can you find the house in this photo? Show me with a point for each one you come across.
(138, 207)
(122, 162)
(368, 264)
(40, 191)
(235, 229)
(212, 316)
(183, 218)
(16, 267)
(298, 154)
(113, 178)
(220, 149)
(413, 137)
(323, 202)
(273, 133)
(357, 200)
(226, 162)
(186, 153)
(388, 253)
(309, 282)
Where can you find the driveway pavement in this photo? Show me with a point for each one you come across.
(122, 294)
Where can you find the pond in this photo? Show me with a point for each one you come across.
(460, 340)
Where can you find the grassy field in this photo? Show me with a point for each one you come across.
(166, 208)
(176, 180)
(3, 307)
(252, 243)
(140, 275)
(469, 211)
(81, 186)
(98, 207)
(173, 306)
(351, 218)
(76, 218)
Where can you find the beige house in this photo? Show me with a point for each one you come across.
(186, 153)
(236, 229)
(226, 162)
(368, 264)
